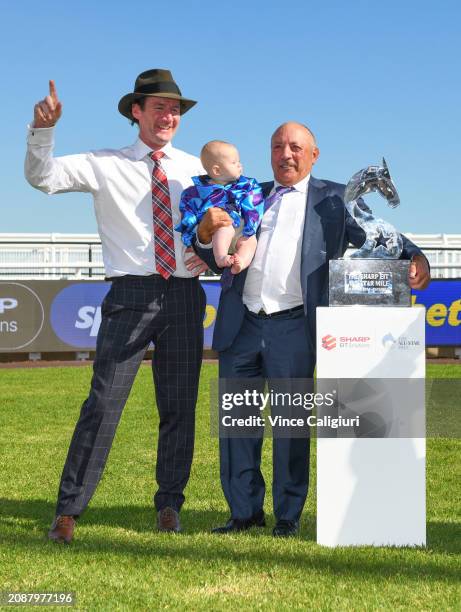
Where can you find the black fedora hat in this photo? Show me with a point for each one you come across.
(155, 82)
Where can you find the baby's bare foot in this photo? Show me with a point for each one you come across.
(225, 262)
(237, 265)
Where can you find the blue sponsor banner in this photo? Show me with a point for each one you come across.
(213, 291)
(442, 300)
(75, 312)
(59, 316)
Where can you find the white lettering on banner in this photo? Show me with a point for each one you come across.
(22, 316)
(7, 303)
(8, 326)
(89, 317)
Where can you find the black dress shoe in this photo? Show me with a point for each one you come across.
(285, 529)
(234, 525)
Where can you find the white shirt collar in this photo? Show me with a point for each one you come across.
(140, 150)
(301, 186)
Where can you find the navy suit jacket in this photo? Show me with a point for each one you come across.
(328, 231)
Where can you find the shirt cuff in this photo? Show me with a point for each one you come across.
(200, 245)
(40, 136)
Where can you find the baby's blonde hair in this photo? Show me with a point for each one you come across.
(212, 151)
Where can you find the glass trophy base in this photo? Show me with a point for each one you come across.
(369, 282)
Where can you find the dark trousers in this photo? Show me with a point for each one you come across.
(136, 311)
(269, 349)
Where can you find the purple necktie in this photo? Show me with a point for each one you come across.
(278, 194)
(227, 277)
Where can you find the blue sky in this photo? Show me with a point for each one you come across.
(369, 78)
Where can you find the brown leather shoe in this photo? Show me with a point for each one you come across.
(62, 529)
(168, 520)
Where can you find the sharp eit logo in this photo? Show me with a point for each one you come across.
(6, 304)
(328, 342)
(354, 342)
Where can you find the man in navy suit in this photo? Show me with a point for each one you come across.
(265, 326)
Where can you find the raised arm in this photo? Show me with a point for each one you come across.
(48, 111)
(42, 170)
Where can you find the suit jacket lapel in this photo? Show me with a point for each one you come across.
(266, 188)
(316, 204)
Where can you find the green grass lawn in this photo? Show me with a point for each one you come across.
(118, 561)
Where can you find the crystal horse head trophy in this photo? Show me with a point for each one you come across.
(373, 275)
(382, 239)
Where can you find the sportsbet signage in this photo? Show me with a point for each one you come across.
(49, 316)
(442, 300)
(22, 316)
(53, 316)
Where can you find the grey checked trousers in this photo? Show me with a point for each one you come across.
(136, 311)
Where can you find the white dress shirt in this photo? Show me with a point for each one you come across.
(273, 281)
(120, 182)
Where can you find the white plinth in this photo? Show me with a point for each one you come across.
(371, 491)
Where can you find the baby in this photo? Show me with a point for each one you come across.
(240, 196)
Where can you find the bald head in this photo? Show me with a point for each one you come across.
(214, 150)
(293, 153)
(221, 160)
(295, 124)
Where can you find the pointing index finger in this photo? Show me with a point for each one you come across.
(53, 92)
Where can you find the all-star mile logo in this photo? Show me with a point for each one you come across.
(388, 340)
(328, 342)
(403, 343)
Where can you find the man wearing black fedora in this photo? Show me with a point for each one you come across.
(155, 294)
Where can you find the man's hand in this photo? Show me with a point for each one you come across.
(194, 264)
(213, 219)
(48, 110)
(419, 276)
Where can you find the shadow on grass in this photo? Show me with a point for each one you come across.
(361, 564)
(443, 538)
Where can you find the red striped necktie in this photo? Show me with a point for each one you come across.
(165, 261)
